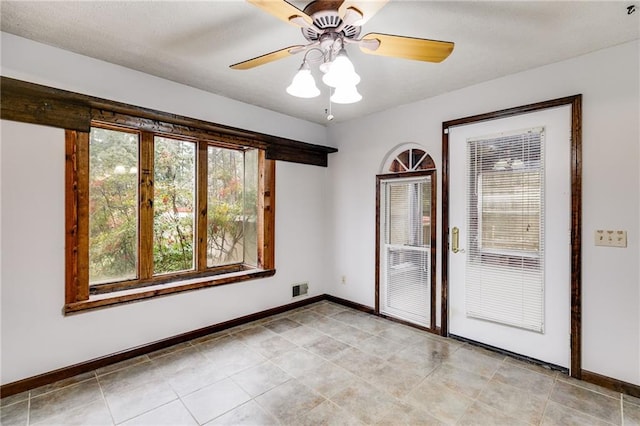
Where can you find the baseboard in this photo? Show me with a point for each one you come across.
(610, 383)
(349, 304)
(84, 367)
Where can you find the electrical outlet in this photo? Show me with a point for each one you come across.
(609, 238)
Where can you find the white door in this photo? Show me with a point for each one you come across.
(510, 247)
(405, 284)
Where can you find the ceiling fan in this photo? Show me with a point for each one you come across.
(329, 26)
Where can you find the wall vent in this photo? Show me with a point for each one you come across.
(300, 289)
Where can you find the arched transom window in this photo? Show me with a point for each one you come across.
(411, 160)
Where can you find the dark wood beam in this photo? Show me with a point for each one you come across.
(33, 103)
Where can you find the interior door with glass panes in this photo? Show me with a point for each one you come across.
(406, 240)
(510, 247)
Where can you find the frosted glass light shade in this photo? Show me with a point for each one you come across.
(341, 72)
(346, 95)
(303, 84)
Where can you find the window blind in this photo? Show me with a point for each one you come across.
(407, 251)
(505, 254)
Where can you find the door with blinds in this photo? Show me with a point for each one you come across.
(406, 238)
(510, 248)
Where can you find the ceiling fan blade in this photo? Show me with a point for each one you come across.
(419, 49)
(266, 58)
(367, 8)
(282, 10)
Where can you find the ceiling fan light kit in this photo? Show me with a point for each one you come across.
(303, 84)
(328, 26)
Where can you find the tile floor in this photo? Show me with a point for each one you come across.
(323, 364)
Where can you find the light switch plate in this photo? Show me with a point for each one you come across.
(609, 238)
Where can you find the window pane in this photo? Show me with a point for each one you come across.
(251, 207)
(173, 206)
(225, 206)
(113, 206)
(513, 198)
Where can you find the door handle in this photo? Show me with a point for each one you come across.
(455, 240)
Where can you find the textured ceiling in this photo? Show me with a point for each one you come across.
(195, 42)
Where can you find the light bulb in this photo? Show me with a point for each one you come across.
(303, 84)
(341, 72)
(346, 95)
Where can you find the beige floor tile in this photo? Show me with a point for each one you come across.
(297, 362)
(365, 402)
(631, 414)
(529, 380)
(479, 414)
(273, 346)
(475, 361)
(261, 378)
(302, 335)
(306, 317)
(588, 402)
(62, 383)
(327, 379)
(415, 360)
(289, 401)
(541, 369)
(394, 380)
(460, 380)
(254, 334)
(15, 414)
(129, 402)
(326, 347)
(513, 401)
(406, 414)
(134, 375)
(327, 414)
(282, 324)
(93, 414)
(328, 308)
(558, 415)
(169, 350)
(231, 359)
(214, 400)
(122, 364)
(171, 414)
(401, 333)
(59, 401)
(193, 378)
(8, 400)
(379, 346)
(586, 385)
(439, 401)
(249, 414)
(631, 399)
(357, 362)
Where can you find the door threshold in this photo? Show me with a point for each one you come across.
(520, 357)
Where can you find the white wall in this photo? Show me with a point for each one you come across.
(609, 82)
(36, 337)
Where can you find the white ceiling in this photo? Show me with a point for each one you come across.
(195, 42)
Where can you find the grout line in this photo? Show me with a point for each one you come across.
(29, 407)
(621, 409)
(104, 398)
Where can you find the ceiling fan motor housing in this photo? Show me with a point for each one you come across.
(325, 16)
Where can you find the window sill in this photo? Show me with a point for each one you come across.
(143, 293)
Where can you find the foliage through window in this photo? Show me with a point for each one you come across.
(159, 208)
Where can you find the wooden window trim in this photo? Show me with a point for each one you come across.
(78, 296)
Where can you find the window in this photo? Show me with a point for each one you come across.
(505, 254)
(154, 213)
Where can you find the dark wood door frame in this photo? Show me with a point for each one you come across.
(414, 174)
(576, 212)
